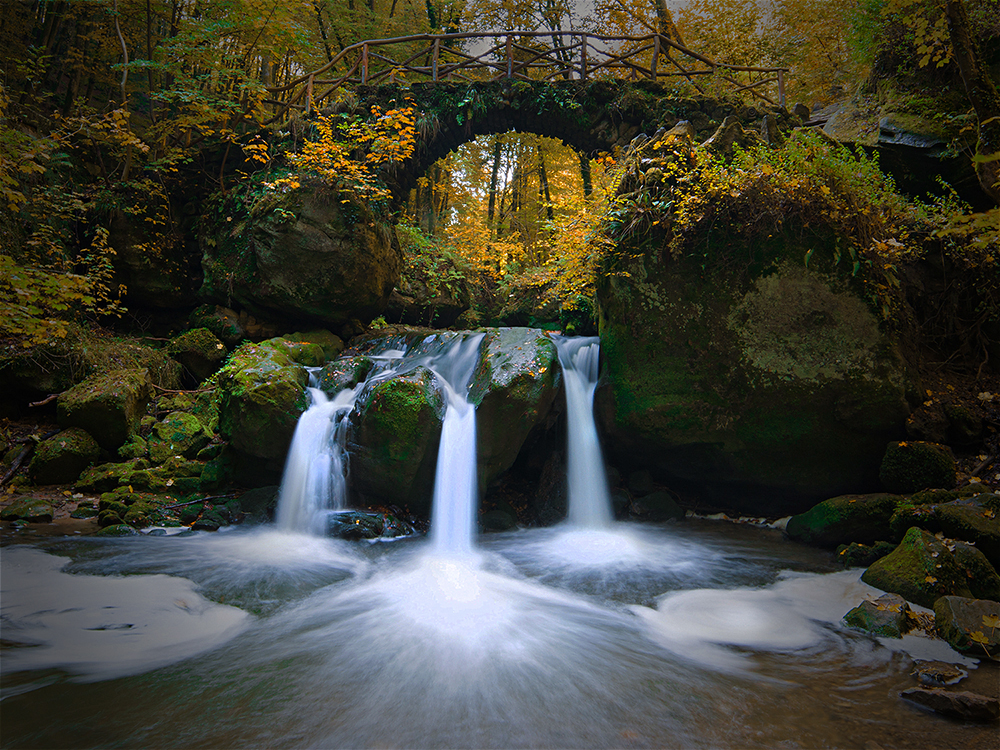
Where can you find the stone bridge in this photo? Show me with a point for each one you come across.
(592, 117)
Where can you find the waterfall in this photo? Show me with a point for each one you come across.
(315, 478)
(589, 499)
(456, 490)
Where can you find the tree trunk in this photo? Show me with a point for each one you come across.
(588, 183)
(491, 211)
(982, 94)
(543, 185)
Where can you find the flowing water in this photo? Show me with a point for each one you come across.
(593, 634)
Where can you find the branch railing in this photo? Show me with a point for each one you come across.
(533, 56)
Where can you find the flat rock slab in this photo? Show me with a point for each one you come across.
(960, 705)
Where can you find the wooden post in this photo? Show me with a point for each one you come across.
(434, 61)
(781, 88)
(656, 57)
(364, 63)
(510, 56)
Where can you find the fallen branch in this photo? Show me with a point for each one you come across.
(171, 390)
(47, 400)
(25, 451)
(989, 459)
(199, 500)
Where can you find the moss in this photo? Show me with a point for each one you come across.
(917, 465)
(60, 459)
(108, 406)
(841, 520)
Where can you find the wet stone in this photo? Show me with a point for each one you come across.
(938, 673)
(958, 704)
(886, 616)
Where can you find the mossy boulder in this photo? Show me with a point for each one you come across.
(331, 344)
(107, 406)
(108, 477)
(886, 616)
(177, 434)
(397, 428)
(345, 372)
(845, 519)
(969, 625)
(967, 519)
(261, 393)
(923, 568)
(61, 458)
(200, 352)
(914, 465)
(117, 529)
(514, 387)
(856, 555)
(736, 367)
(29, 509)
(307, 253)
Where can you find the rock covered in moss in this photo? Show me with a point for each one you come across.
(200, 352)
(397, 428)
(61, 458)
(914, 465)
(841, 520)
(886, 616)
(514, 388)
(923, 568)
(736, 366)
(330, 343)
(969, 625)
(177, 434)
(345, 372)
(966, 518)
(360, 524)
(117, 529)
(107, 406)
(107, 477)
(29, 509)
(308, 253)
(261, 393)
(856, 555)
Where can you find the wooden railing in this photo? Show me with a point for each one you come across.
(535, 56)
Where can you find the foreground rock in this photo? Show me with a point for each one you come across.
(841, 520)
(923, 568)
(957, 704)
(887, 616)
(60, 459)
(970, 625)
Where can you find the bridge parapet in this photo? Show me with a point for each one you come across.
(532, 56)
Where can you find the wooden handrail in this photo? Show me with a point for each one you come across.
(365, 62)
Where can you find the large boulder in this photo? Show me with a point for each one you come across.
(177, 434)
(514, 387)
(924, 568)
(107, 406)
(744, 369)
(261, 393)
(911, 466)
(199, 351)
(308, 252)
(841, 520)
(60, 459)
(397, 429)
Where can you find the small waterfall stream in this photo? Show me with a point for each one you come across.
(589, 499)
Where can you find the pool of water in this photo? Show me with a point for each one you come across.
(695, 635)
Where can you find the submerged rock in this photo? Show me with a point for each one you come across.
(841, 520)
(969, 625)
(60, 459)
(923, 568)
(957, 704)
(107, 406)
(359, 524)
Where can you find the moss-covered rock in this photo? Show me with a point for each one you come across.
(969, 625)
(178, 434)
(923, 568)
(29, 509)
(967, 519)
(107, 406)
(514, 388)
(310, 253)
(886, 616)
(345, 372)
(261, 393)
(107, 477)
(856, 555)
(200, 352)
(737, 366)
(331, 344)
(397, 428)
(845, 519)
(60, 459)
(915, 465)
(118, 529)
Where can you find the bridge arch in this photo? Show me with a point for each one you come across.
(589, 116)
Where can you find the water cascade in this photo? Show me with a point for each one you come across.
(589, 499)
(315, 478)
(456, 493)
